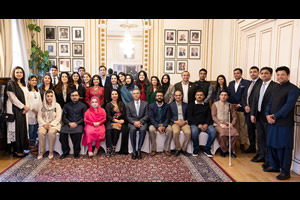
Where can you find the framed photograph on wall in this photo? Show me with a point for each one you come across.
(182, 65)
(170, 36)
(194, 52)
(195, 36)
(51, 47)
(169, 51)
(63, 33)
(78, 34)
(50, 32)
(182, 52)
(169, 67)
(64, 49)
(77, 62)
(78, 49)
(65, 64)
(182, 36)
(53, 61)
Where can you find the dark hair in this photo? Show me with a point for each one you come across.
(42, 86)
(158, 84)
(204, 70)
(239, 70)
(101, 67)
(53, 66)
(117, 77)
(119, 100)
(92, 81)
(146, 81)
(74, 90)
(178, 91)
(267, 68)
(49, 91)
(254, 67)
(283, 68)
(218, 85)
(58, 87)
(199, 91)
(28, 84)
(123, 74)
(225, 92)
(15, 79)
(79, 80)
(159, 91)
(110, 71)
(80, 68)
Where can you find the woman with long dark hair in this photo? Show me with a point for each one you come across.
(221, 86)
(142, 82)
(78, 86)
(95, 90)
(63, 89)
(151, 90)
(46, 84)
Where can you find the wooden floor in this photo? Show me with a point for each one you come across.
(242, 169)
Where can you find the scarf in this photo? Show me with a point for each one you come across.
(95, 115)
(49, 111)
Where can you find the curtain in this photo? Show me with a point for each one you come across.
(6, 48)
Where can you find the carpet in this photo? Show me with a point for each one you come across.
(119, 168)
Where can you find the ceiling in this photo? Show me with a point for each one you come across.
(114, 28)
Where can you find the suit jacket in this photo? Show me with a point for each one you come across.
(107, 81)
(131, 112)
(153, 114)
(107, 93)
(191, 91)
(265, 101)
(251, 96)
(236, 97)
(174, 111)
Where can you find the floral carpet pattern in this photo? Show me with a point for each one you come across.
(119, 168)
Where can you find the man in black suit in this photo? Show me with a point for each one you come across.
(137, 115)
(105, 80)
(235, 90)
(246, 104)
(258, 108)
(186, 87)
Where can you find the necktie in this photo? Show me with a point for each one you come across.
(249, 91)
(261, 96)
(54, 80)
(137, 108)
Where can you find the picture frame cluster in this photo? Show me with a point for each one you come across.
(64, 44)
(180, 46)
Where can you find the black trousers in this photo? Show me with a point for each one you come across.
(124, 140)
(76, 140)
(112, 137)
(251, 131)
(262, 132)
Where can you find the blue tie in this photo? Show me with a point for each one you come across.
(261, 96)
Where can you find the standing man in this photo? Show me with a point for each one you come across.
(258, 108)
(81, 71)
(73, 120)
(200, 119)
(204, 85)
(137, 115)
(159, 116)
(236, 89)
(247, 99)
(105, 80)
(54, 74)
(280, 116)
(186, 87)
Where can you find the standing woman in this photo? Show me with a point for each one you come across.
(167, 88)
(46, 84)
(63, 88)
(151, 90)
(87, 80)
(142, 82)
(122, 77)
(220, 87)
(126, 90)
(78, 86)
(18, 105)
(95, 90)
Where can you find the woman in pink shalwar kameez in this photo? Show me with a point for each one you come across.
(94, 130)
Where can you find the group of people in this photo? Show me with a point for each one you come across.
(102, 106)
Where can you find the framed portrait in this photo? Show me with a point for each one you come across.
(169, 67)
(78, 34)
(77, 62)
(170, 36)
(53, 61)
(63, 33)
(182, 36)
(51, 47)
(78, 49)
(50, 32)
(195, 36)
(182, 52)
(194, 52)
(65, 65)
(64, 49)
(169, 51)
(182, 65)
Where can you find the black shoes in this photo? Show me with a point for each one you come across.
(207, 153)
(76, 155)
(270, 169)
(223, 154)
(136, 155)
(283, 176)
(64, 155)
(258, 158)
(250, 150)
(139, 155)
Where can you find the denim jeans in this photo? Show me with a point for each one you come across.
(33, 131)
(211, 131)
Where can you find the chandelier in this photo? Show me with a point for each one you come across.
(127, 46)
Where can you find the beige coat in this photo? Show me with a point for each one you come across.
(169, 96)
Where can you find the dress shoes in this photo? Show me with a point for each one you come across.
(186, 153)
(139, 155)
(64, 155)
(177, 153)
(133, 155)
(76, 155)
(223, 154)
(270, 169)
(250, 150)
(283, 176)
(233, 155)
(258, 159)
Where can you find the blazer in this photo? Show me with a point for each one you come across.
(107, 81)
(131, 112)
(251, 96)
(107, 93)
(153, 114)
(109, 108)
(174, 111)
(169, 95)
(236, 97)
(254, 104)
(191, 91)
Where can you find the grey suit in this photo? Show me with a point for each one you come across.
(132, 117)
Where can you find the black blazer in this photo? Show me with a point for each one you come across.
(174, 112)
(236, 97)
(107, 81)
(109, 109)
(107, 93)
(251, 96)
(191, 90)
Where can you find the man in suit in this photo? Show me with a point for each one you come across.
(179, 123)
(186, 87)
(105, 80)
(235, 90)
(159, 117)
(137, 115)
(247, 99)
(258, 108)
(54, 74)
(204, 85)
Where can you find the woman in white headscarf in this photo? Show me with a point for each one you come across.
(49, 119)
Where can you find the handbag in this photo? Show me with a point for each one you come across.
(9, 117)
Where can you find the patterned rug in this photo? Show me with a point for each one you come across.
(119, 168)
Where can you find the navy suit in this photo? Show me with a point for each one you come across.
(236, 97)
(174, 111)
(153, 114)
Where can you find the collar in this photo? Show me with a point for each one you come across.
(159, 105)
(137, 101)
(238, 80)
(268, 82)
(199, 103)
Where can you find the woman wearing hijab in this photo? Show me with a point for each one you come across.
(94, 130)
(168, 88)
(126, 90)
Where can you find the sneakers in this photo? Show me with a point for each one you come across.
(195, 153)
(207, 153)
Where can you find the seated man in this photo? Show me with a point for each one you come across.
(199, 117)
(73, 120)
(137, 115)
(179, 123)
(159, 117)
